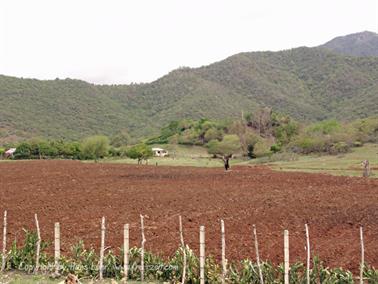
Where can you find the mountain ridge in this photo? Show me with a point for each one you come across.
(357, 44)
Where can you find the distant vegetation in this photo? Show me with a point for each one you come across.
(259, 134)
(308, 84)
(267, 132)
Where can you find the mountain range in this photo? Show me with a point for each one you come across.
(336, 80)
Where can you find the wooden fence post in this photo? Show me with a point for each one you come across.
(38, 244)
(57, 247)
(4, 242)
(224, 261)
(362, 265)
(126, 247)
(142, 249)
(102, 248)
(308, 255)
(286, 256)
(183, 250)
(202, 255)
(258, 255)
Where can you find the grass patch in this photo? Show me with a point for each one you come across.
(179, 155)
(348, 164)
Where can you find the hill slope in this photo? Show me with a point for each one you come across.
(358, 44)
(307, 83)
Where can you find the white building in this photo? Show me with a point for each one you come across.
(159, 152)
(9, 153)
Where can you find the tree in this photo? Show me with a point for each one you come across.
(95, 147)
(139, 152)
(261, 121)
(225, 148)
(23, 151)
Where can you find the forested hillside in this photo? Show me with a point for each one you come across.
(306, 83)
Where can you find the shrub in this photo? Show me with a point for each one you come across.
(95, 147)
(285, 131)
(71, 150)
(262, 148)
(115, 152)
(23, 151)
(306, 144)
(357, 144)
(228, 146)
(324, 127)
(213, 134)
(366, 129)
(339, 147)
(189, 137)
(139, 152)
(275, 148)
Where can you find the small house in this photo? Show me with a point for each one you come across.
(9, 153)
(159, 152)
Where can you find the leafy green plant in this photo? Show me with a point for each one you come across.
(23, 257)
(84, 262)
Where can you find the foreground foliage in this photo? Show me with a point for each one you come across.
(83, 262)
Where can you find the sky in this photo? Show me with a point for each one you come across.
(125, 41)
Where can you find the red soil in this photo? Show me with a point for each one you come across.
(77, 195)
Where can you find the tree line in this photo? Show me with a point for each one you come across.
(254, 135)
(91, 148)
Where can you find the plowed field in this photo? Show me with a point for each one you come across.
(78, 194)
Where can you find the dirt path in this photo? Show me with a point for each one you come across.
(77, 195)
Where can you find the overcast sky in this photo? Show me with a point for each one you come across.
(123, 41)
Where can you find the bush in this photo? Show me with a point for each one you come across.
(324, 127)
(366, 129)
(71, 150)
(308, 144)
(115, 152)
(189, 137)
(95, 147)
(339, 147)
(228, 146)
(23, 151)
(262, 148)
(285, 131)
(139, 152)
(213, 134)
(275, 148)
(357, 144)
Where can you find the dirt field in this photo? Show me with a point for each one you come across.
(77, 195)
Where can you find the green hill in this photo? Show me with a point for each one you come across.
(306, 83)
